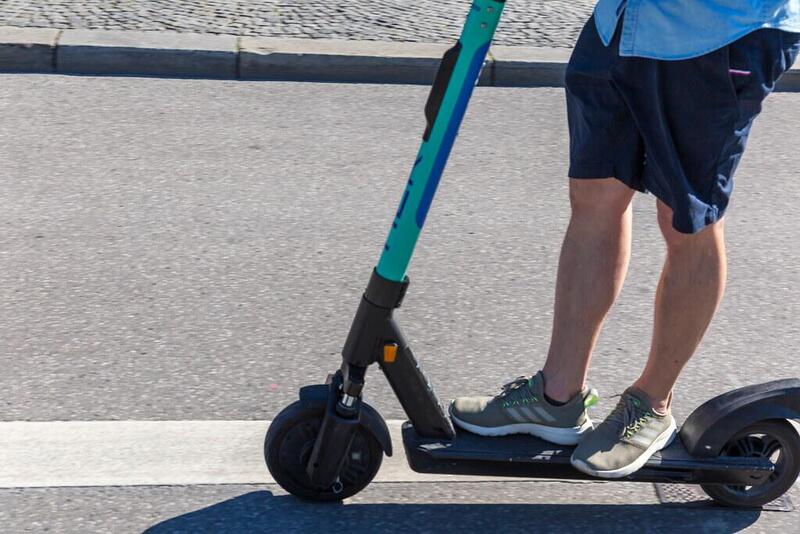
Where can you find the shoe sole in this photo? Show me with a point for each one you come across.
(557, 435)
(661, 442)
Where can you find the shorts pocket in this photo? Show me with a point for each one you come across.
(755, 63)
(740, 73)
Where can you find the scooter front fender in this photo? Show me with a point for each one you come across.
(368, 417)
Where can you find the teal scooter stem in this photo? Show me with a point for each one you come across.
(444, 111)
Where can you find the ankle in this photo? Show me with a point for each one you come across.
(550, 400)
(558, 391)
(660, 401)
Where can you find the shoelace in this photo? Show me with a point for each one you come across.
(519, 390)
(629, 415)
(514, 385)
(515, 390)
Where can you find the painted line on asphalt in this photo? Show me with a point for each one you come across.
(159, 453)
(136, 453)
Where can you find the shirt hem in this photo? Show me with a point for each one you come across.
(633, 51)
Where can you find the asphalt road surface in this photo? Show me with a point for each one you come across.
(195, 250)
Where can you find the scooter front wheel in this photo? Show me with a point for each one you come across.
(288, 445)
(774, 439)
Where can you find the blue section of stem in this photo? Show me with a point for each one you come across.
(450, 135)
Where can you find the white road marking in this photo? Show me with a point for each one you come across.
(144, 453)
(134, 453)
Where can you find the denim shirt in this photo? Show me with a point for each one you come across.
(682, 29)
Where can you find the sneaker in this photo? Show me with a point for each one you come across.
(521, 408)
(626, 440)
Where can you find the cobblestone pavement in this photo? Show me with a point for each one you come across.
(553, 23)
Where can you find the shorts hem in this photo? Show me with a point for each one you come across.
(693, 220)
(591, 171)
(597, 172)
(713, 215)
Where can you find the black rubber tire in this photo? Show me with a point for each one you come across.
(773, 432)
(288, 445)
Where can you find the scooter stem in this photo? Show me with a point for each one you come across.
(444, 110)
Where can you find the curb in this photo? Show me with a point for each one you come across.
(228, 57)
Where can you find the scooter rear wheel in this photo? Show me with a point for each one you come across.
(774, 439)
(288, 445)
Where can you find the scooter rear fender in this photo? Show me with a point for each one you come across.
(714, 423)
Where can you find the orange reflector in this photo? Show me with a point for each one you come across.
(390, 352)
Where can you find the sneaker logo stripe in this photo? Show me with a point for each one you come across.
(542, 413)
(642, 442)
(529, 412)
(515, 415)
(649, 433)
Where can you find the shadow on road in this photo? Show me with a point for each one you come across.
(261, 511)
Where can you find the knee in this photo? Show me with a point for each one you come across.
(677, 241)
(604, 197)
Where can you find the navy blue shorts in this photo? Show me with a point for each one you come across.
(675, 128)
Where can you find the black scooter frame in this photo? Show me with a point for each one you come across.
(372, 332)
(433, 446)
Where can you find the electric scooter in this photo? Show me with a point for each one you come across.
(740, 446)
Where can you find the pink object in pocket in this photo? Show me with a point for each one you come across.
(737, 72)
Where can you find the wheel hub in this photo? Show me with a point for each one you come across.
(758, 446)
(296, 450)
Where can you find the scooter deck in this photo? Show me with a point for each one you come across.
(531, 457)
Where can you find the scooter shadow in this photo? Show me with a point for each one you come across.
(261, 511)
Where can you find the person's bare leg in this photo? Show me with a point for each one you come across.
(591, 269)
(689, 292)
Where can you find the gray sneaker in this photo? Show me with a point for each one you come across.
(626, 440)
(521, 408)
